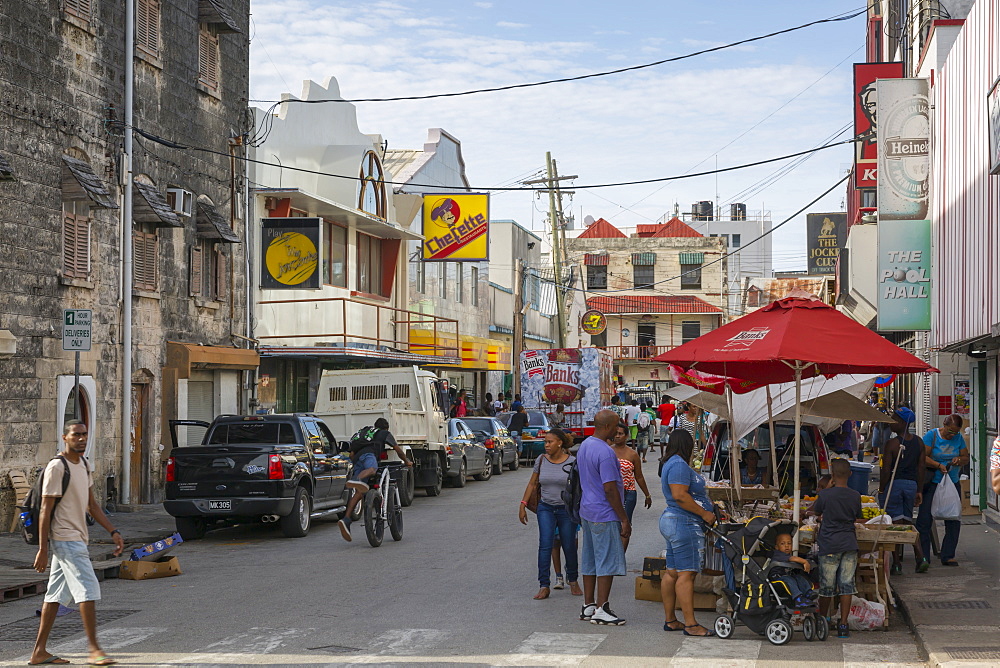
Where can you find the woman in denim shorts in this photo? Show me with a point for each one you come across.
(683, 527)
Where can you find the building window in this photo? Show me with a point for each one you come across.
(642, 277)
(459, 282)
(76, 240)
(147, 26)
(691, 276)
(208, 271)
(443, 280)
(690, 330)
(208, 59)
(597, 277)
(371, 187)
(81, 9)
(369, 264)
(335, 264)
(145, 254)
(474, 280)
(534, 290)
(736, 241)
(420, 271)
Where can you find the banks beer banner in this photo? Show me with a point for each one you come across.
(904, 275)
(866, 118)
(826, 234)
(456, 227)
(903, 156)
(290, 247)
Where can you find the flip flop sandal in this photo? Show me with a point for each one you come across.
(102, 661)
(51, 660)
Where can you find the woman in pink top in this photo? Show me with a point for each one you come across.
(631, 468)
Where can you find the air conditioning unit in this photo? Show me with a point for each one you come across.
(181, 201)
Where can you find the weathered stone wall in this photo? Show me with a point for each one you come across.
(61, 82)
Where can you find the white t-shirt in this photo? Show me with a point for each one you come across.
(630, 413)
(69, 521)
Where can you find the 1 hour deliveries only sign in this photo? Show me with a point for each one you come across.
(76, 329)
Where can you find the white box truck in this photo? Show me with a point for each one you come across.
(410, 399)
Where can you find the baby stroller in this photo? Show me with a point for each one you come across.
(757, 596)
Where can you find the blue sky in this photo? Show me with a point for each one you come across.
(657, 122)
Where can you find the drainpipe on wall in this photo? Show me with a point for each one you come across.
(126, 398)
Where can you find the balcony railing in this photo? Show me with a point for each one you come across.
(645, 352)
(353, 323)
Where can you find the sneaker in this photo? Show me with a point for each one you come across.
(843, 631)
(923, 566)
(605, 616)
(345, 529)
(560, 583)
(587, 612)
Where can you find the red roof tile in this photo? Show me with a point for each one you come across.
(675, 227)
(602, 229)
(651, 304)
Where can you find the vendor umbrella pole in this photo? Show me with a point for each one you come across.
(797, 494)
(734, 448)
(770, 428)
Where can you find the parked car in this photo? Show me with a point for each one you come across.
(491, 433)
(466, 455)
(814, 457)
(285, 468)
(532, 439)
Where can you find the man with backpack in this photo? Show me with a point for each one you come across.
(643, 422)
(366, 447)
(62, 534)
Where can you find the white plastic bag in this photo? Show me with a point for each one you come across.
(947, 505)
(865, 615)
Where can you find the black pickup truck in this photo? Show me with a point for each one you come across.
(269, 468)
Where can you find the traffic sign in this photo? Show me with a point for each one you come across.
(76, 329)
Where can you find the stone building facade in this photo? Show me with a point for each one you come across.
(61, 138)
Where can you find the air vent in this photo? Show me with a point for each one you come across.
(368, 392)
(338, 394)
(401, 391)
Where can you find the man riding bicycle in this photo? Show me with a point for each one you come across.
(366, 447)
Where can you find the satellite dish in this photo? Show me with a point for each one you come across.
(588, 221)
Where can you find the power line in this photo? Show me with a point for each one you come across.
(738, 250)
(593, 75)
(182, 147)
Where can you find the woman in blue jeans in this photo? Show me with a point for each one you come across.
(683, 527)
(551, 477)
(948, 454)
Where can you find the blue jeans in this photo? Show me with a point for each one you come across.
(549, 518)
(685, 536)
(517, 441)
(924, 520)
(902, 496)
(631, 498)
(836, 574)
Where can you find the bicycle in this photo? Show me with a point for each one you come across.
(381, 507)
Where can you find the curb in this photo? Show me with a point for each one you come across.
(905, 612)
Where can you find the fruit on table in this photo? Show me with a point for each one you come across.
(869, 513)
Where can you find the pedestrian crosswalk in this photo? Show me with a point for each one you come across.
(271, 646)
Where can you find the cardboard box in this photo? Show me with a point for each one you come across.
(652, 567)
(156, 551)
(968, 508)
(147, 570)
(647, 590)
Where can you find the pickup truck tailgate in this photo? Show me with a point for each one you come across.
(233, 470)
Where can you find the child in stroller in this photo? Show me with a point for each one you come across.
(761, 590)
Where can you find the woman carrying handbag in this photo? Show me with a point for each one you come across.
(543, 495)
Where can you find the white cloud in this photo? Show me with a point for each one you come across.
(650, 123)
(483, 5)
(511, 24)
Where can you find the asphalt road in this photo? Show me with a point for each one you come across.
(457, 590)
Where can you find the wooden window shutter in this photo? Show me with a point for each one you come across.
(220, 275)
(197, 271)
(78, 8)
(69, 246)
(208, 59)
(147, 26)
(144, 256)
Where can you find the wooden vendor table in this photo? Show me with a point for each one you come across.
(745, 494)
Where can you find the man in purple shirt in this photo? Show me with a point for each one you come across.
(603, 518)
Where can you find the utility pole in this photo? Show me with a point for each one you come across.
(125, 485)
(517, 344)
(556, 222)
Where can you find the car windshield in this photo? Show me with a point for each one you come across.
(537, 419)
(480, 424)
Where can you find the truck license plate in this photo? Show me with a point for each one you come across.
(220, 505)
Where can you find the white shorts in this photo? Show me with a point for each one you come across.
(72, 576)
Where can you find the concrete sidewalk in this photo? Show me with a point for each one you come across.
(18, 579)
(955, 612)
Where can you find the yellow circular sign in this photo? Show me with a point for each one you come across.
(593, 322)
(291, 258)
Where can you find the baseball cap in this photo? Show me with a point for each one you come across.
(905, 414)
